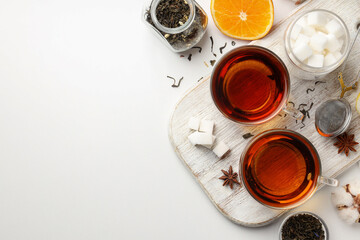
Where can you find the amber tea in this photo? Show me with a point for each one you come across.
(250, 85)
(280, 168)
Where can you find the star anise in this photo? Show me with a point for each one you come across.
(345, 143)
(229, 177)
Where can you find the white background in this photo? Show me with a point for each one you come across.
(84, 109)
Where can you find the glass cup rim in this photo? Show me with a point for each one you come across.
(304, 66)
(277, 130)
(176, 30)
(287, 81)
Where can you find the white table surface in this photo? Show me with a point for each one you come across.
(84, 109)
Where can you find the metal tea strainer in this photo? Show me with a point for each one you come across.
(333, 117)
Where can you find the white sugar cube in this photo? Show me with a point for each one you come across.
(341, 42)
(200, 138)
(308, 30)
(206, 126)
(221, 149)
(321, 29)
(295, 31)
(337, 55)
(321, 33)
(318, 42)
(292, 42)
(301, 39)
(329, 59)
(302, 21)
(209, 146)
(335, 28)
(333, 43)
(194, 123)
(316, 19)
(302, 51)
(316, 60)
(324, 52)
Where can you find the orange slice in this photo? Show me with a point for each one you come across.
(243, 19)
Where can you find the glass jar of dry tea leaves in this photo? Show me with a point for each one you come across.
(303, 225)
(180, 24)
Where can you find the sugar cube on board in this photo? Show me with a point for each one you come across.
(329, 59)
(206, 126)
(301, 39)
(318, 42)
(302, 51)
(221, 149)
(209, 146)
(316, 19)
(194, 123)
(333, 43)
(335, 28)
(201, 138)
(316, 60)
(308, 30)
(295, 31)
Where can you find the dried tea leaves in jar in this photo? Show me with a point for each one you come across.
(303, 227)
(180, 23)
(172, 13)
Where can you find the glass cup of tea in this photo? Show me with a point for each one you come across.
(281, 169)
(250, 85)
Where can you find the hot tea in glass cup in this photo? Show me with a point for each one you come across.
(281, 169)
(250, 85)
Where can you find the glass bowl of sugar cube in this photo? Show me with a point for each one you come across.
(316, 43)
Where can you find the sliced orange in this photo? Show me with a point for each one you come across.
(243, 19)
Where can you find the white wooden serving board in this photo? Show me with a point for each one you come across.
(237, 204)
